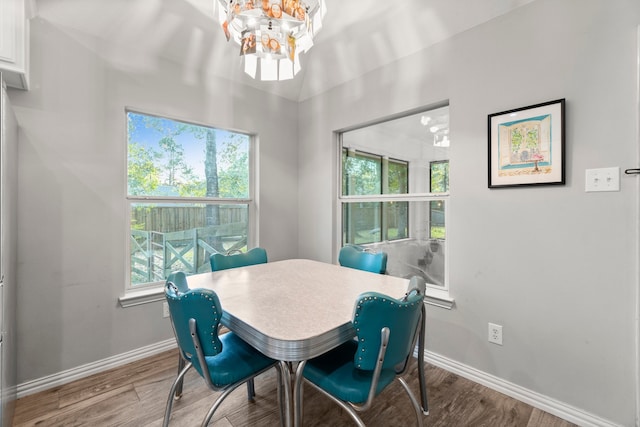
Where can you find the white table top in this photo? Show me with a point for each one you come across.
(294, 309)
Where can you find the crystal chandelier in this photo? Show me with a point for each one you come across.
(271, 33)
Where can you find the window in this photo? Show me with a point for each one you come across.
(438, 183)
(394, 192)
(189, 195)
(370, 174)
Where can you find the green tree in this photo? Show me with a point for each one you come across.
(211, 175)
(439, 177)
(234, 172)
(516, 139)
(532, 138)
(143, 176)
(361, 175)
(398, 183)
(178, 174)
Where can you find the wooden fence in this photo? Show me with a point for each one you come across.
(175, 218)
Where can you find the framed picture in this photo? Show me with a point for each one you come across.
(526, 146)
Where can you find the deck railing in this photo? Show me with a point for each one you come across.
(154, 255)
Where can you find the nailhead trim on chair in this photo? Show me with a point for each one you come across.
(213, 307)
(357, 314)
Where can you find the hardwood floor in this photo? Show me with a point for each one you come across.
(135, 395)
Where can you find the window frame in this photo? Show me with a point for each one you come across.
(384, 162)
(152, 291)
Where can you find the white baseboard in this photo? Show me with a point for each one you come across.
(537, 400)
(64, 377)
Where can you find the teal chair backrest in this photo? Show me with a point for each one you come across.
(203, 306)
(355, 257)
(179, 280)
(251, 257)
(374, 311)
(417, 286)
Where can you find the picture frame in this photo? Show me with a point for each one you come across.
(527, 146)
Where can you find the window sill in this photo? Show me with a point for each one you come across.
(145, 296)
(439, 298)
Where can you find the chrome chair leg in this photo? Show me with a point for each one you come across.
(414, 402)
(172, 392)
(216, 404)
(178, 393)
(421, 376)
(251, 390)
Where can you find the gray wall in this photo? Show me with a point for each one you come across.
(9, 132)
(72, 211)
(554, 265)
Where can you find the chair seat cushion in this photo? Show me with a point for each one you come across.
(237, 361)
(335, 373)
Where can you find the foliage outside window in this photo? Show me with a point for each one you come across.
(189, 195)
(438, 183)
(369, 174)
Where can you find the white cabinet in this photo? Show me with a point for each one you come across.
(14, 42)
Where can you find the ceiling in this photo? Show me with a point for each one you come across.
(409, 138)
(357, 36)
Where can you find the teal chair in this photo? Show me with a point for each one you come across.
(362, 259)
(354, 373)
(223, 361)
(251, 257)
(179, 280)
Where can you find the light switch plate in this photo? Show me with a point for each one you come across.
(602, 179)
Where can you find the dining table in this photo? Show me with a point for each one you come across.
(297, 309)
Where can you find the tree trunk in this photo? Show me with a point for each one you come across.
(211, 172)
(212, 212)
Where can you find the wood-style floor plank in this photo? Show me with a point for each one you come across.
(98, 384)
(135, 396)
(543, 419)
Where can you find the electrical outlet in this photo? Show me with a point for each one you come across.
(495, 333)
(165, 309)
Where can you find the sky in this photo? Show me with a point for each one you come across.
(194, 148)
